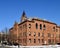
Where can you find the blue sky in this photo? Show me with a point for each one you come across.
(11, 11)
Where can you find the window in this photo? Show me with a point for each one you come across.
(42, 34)
(49, 35)
(24, 40)
(20, 27)
(24, 26)
(24, 33)
(42, 40)
(29, 40)
(29, 33)
(34, 33)
(39, 40)
(52, 41)
(20, 34)
(36, 26)
(49, 41)
(41, 26)
(34, 40)
(54, 29)
(39, 34)
(44, 27)
(57, 35)
(29, 25)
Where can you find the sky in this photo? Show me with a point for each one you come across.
(11, 11)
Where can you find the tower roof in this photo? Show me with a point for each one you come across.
(23, 14)
(23, 17)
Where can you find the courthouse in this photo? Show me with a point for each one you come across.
(34, 32)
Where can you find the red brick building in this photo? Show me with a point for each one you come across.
(34, 31)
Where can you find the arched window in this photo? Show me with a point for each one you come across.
(36, 26)
(44, 27)
(41, 26)
(54, 29)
